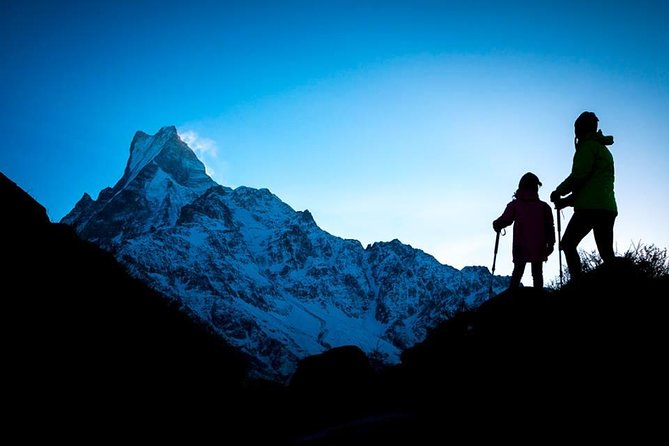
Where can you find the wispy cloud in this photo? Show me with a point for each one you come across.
(200, 145)
(206, 149)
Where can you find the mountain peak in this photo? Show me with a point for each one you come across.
(168, 130)
(168, 153)
(161, 176)
(144, 147)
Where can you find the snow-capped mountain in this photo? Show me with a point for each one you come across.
(263, 275)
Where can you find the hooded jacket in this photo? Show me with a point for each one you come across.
(533, 229)
(592, 174)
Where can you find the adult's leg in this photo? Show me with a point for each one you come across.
(538, 275)
(517, 274)
(578, 227)
(603, 230)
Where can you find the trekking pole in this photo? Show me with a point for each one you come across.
(494, 261)
(559, 229)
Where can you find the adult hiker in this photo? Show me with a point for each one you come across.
(591, 186)
(533, 230)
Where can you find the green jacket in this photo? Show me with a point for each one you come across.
(592, 174)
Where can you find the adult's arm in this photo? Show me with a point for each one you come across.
(584, 160)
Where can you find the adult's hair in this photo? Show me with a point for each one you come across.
(585, 123)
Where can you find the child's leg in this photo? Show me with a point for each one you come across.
(518, 270)
(538, 274)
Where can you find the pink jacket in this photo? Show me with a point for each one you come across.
(533, 231)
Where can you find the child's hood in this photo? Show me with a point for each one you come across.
(527, 195)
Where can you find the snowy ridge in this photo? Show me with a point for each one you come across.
(264, 276)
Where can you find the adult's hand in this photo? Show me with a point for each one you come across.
(562, 203)
(555, 196)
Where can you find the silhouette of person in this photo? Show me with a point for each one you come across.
(533, 230)
(591, 186)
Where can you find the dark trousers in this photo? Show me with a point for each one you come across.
(582, 222)
(519, 269)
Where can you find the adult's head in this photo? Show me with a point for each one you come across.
(529, 181)
(586, 123)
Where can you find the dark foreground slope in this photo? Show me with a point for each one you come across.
(587, 362)
(590, 356)
(86, 347)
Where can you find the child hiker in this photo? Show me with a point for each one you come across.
(533, 230)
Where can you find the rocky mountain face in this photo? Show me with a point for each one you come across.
(262, 275)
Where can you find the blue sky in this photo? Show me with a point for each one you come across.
(411, 120)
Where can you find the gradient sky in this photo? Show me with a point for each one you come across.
(411, 120)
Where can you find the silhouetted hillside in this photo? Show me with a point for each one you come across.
(86, 345)
(583, 363)
(589, 357)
